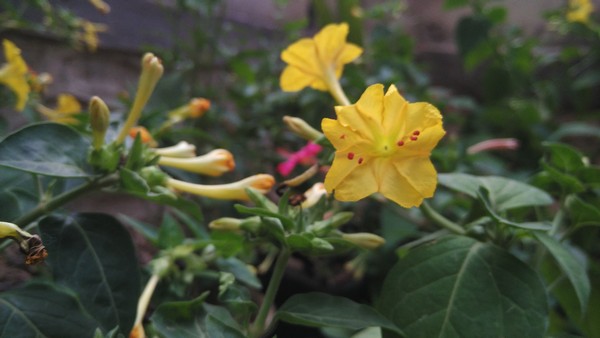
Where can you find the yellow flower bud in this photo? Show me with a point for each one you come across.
(198, 106)
(231, 191)
(364, 240)
(99, 121)
(214, 163)
(181, 149)
(152, 71)
(225, 223)
(145, 135)
(302, 129)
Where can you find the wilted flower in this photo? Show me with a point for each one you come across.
(383, 144)
(313, 195)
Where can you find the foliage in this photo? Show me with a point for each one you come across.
(506, 246)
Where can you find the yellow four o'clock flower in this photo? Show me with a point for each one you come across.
(319, 62)
(67, 106)
(383, 144)
(579, 11)
(13, 73)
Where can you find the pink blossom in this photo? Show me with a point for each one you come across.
(494, 144)
(306, 155)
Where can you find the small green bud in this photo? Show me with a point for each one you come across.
(364, 240)
(302, 128)
(225, 223)
(99, 121)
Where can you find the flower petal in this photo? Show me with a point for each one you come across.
(303, 55)
(425, 143)
(394, 111)
(344, 138)
(349, 180)
(409, 181)
(293, 79)
(349, 53)
(370, 103)
(330, 42)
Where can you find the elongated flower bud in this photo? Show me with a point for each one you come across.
(99, 121)
(214, 163)
(231, 191)
(152, 71)
(226, 223)
(364, 240)
(302, 129)
(181, 150)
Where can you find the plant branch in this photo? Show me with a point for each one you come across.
(440, 220)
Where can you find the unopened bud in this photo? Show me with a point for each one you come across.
(225, 223)
(214, 163)
(180, 150)
(99, 121)
(364, 240)
(302, 129)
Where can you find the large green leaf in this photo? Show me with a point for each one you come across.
(570, 266)
(194, 319)
(93, 255)
(47, 149)
(504, 193)
(324, 310)
(41, 310)
(459, 287)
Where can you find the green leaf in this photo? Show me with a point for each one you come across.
(194, 319)
(483, 195)
(504, 193)
(563, 157)
(581, 212)
(323, 310)
(287, 223)
(470, 32)
(41, 310)
(240, 270)
(47, 149)
(570, 266)
(459, 287)
(170, 234)
(93, 255)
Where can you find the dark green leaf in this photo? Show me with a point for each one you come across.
(47, 149)
(240, 270)
(11, 209)
(324, 310)
(285, 221)
(581, 212)
(563, 157)
(470, 32)
(496, 14)
(194, 319)
(147, 230)
(40, 311)
(459, 287)
(504, 193)
(575, 129)
(94, 256)
(570, 266)
(483, 195)
(169, 233)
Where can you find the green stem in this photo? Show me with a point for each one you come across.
(260, 321)
(26, 222)
(440, 220)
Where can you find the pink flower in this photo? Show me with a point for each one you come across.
(306, 155)
(494, 144)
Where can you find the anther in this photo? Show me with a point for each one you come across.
(413, 138)
(343, 136)
(360, 160)
(350, 156)
(416, 133)
(400, 143)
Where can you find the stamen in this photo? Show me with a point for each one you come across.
(400, 143)
(360, 160)
(350, 155)
(343, 136)
(413, 138)
(416, 133)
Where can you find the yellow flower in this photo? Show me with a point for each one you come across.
(318, 62)
(89, 33)
(231, 191)
(66, 107)
(101, 6)
(13, 73)
(383, 144)
(579, 11)
(214, 163)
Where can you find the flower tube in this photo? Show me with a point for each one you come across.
(214, 163)
(231, 191)
(181, 150)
